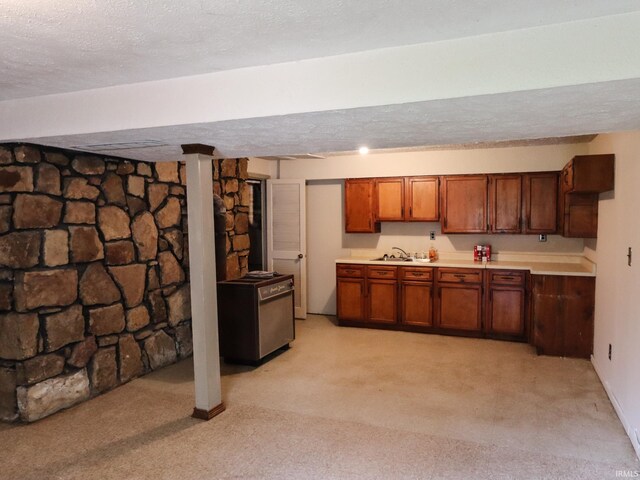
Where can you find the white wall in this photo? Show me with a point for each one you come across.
(617, 313)
(327, 241)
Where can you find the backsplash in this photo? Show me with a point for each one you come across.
(414, 237)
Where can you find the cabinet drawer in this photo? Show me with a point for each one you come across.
(416, 274)
(348, 270)
(382, 272)
(504, 277)
(459, 275)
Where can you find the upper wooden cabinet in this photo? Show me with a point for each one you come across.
(390, 199)
(422, 199)
(408, 199)
(464, 204)
(582, 179)
(505, 203)
(580, 217)
(540, 202)
(588, 174)
(529, 203)
(360, 206)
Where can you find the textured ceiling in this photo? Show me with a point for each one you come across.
(52, 47)
(556, 112)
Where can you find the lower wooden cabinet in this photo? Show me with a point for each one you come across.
(417, 303)
(382, 301)
(416, 296)
(562, 315)
(506, 304)
(555, 313)
(459, 299)
(367, 294)
(351, 299)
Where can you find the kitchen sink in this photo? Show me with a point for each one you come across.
(392, 259)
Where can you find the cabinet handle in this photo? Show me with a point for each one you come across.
(460, 275)
(416, 274)
(445, 222)
(380, 272)
(411, 211)
(506, 278)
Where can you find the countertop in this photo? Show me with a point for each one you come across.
(565, 265)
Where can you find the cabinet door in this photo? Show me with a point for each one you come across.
(505, 203)
(359, 203)
(390, 193)
(423, 199)
(541, 202)
(580, 215)
(464, 204)
(460, 307)
(562, 315)
(589, 174)
(417, 305)
(506, 311)
(383, 301)
(351, 299)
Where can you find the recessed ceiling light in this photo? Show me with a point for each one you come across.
(363, 150)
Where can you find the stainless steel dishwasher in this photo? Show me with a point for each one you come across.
(255, 317)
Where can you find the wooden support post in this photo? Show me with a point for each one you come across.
(202, 271)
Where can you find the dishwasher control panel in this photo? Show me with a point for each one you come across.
(275, 290)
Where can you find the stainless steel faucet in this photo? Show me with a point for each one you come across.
(403, 254)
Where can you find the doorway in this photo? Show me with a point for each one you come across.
(257, 233)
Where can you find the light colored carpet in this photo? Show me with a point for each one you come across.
(343, 403)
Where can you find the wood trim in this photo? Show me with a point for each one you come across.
(190, 148)
(202, 414)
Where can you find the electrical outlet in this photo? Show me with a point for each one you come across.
(542, 237)
(432, 235)
(610, 351)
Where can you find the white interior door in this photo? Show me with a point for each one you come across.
(286, 235)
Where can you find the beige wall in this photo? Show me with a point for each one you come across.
(325, 229)
(261, 168)
(435, 162)
(617, 314)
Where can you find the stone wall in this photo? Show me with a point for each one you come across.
(229, 182)
(93, 272)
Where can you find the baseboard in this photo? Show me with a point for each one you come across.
(202, 414)
(628, 428)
